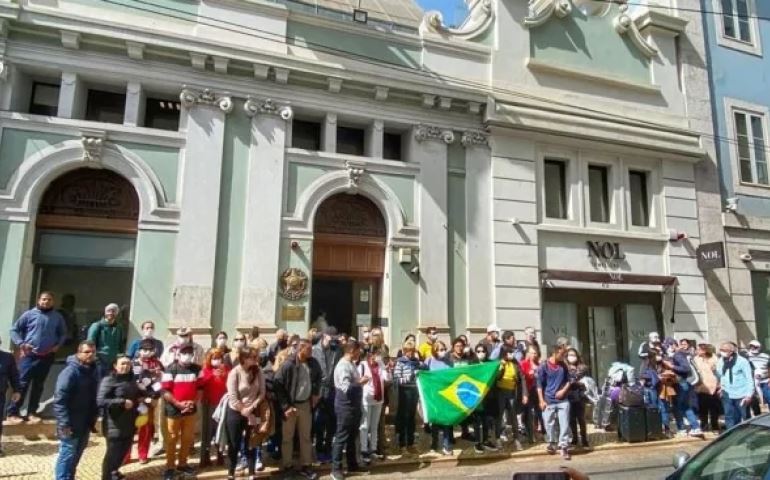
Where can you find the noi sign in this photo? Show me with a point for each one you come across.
(605, 251)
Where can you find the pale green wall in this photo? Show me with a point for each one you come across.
(589, 44)
(12, 239)
(153, 278)
(232, 214)
(403, 187)
(333, 41)
(300, 177)
(301, 258)
(404, 311)
(456, 156)
(164, 161)
(458, 259)
(17, 145)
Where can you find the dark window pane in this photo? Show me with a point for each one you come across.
(743, 20)
(306, 135)
(598, 194)
(45, 99)
(105, 107)
(744, 150)
(640, 207)
(350, 141)
(162, 114)
(391, 146)
(727, 18)
(555, 185)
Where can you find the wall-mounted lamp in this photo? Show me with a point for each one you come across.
(746, 257)
(676, 235)
(294, 244)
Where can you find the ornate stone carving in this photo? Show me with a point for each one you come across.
(92, 148)
(190, 98)
(253, 106)
(480, 17)
(541, 10)
(431, 132)
(89, 192)
(293, 284)
(474, 137)
(625, 25)
(355, 172)
(346, 214)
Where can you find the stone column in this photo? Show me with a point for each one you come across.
(329, 133)
(72, 96)
(262, 230)
(196, 244)
(428, 147)
(135, 105)
(478, 219)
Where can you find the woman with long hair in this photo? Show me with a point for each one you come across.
(577, 369)
(247, 415)
(440, 360)
(372, 367)
(509, 382)
(405, 376)
(120, 398)
(214, 381)
(533, 416)
(709, 401)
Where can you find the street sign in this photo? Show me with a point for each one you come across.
(711, 256)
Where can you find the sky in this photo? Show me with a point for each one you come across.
(453, 10)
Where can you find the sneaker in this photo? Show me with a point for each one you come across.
(551, 449)
(14, 420)
(258, 465)
(446, 451)
(323, 458)
(697, 432)
(34, 419)
(377, 456)
(169, 474)
(478, 448)
(565, 454)
(490, 447)
(517, 445)
(306, 472)
(243, 464)
(337, 475)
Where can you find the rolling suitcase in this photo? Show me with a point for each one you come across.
(632, 425)
(654, 423)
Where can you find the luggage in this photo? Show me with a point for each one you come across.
(632, 424)
(653, 423)
(603, 410)
(632, 395)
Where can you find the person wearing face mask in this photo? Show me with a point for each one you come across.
(239, 343)
(678, 361)
(759, 363)
(181, 383)
(148, 372)
(708, 400)
(653, 341)
(9, 377)
(737, 383)
(184, 337)
(281, 342)
(440, 360)
(327, 353)
(405, 376)
(38, 334)
(214, 384)
(509, 381)
(373, 368)
(108, 336)
(75, 408)
(148, 333)
(484, 416)
(120, 398)
(577, 407)
(220, 343)
(426, 348)
(492, 341)
(533, 416)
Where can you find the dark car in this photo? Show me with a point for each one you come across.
(742, 453)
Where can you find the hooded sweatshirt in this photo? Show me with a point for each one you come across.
(74, 403)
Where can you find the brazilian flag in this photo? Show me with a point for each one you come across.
(448, 396)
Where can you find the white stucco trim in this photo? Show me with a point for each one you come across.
(754, 47)
(731, 106)
(301, 223)
(19, 202)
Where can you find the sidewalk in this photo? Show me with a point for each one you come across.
(31, 451)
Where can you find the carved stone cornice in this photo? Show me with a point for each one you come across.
(541, 10)
(472, 138)
(480, 17)
(254, 106)
(625, 25)
(190, 98)
(423, 133)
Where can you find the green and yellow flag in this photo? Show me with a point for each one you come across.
(448, 396)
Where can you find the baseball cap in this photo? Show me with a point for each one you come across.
(493, 328)
(755, 343)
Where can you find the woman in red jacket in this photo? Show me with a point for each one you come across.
(214, 379)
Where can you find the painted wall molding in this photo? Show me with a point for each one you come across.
(424, 133)
(625, 25)
(481, 16)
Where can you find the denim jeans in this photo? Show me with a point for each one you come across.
(735, 413)
(33, 371)
(346, 436)
(683, 407)
(405, 415)
(553, 412)
(446, 435)
(70, 451)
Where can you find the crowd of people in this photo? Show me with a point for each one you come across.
(327, 395)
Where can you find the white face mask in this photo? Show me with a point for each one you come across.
(366, 335)
(659, 358)
(239, 343)
(754, 351)
(185, 359)
(571, 359)
(149, 332)
(145, 353)
(724, 354)
(510, 356)
(378, 359)
(433, 337)
(481, 355)
(215, 362)
(185, 340)
(221, 342)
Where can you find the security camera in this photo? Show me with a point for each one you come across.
(746, 257)
(731, 204)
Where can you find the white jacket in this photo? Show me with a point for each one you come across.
(365, 371)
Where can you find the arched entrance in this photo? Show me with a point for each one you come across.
(348, 262)
(84, 246)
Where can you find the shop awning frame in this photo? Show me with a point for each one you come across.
(606, 280)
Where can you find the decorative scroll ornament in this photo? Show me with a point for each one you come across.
(92, 148)
(624, 24)
(190, 98)
(480, 17)
(541, 10)
(430, 132)
(355, 172)
(293, 284)
(474, 137)
(252, 106)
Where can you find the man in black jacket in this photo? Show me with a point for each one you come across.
(327, 353)
(296, 386)
(74, 405)
(9, 376)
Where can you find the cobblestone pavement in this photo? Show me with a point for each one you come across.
(31, 452)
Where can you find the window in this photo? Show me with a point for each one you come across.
(162, 114)
(306, 135)
(107, 107)
(598, 193)
(740, 453)
(735, 20)
(640, 200)
(45, 99)
(350, 141)
(391, 146)
(750, 139)
(555, 187)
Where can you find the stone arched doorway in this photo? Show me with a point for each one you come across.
(85, 239)
(348, 262)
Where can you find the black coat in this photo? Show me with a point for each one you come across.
(283, 380)
(9, 374)
(74, 401)
(113, 392)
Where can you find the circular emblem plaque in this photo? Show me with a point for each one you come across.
(293, 284)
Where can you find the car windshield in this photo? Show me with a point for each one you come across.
(743, 454)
